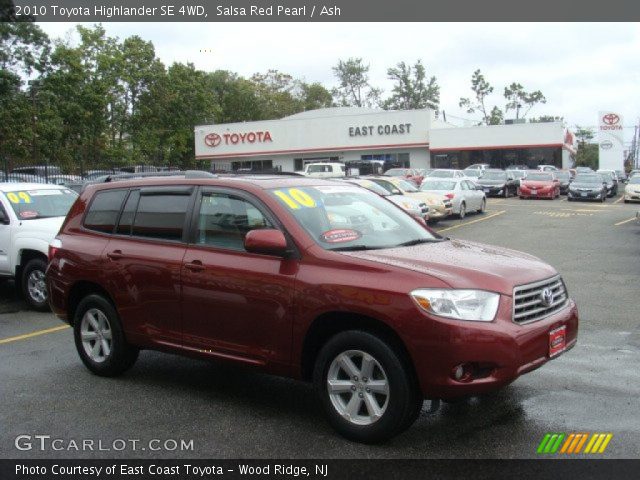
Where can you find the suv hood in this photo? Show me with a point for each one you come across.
(41, 228)
(463, 264)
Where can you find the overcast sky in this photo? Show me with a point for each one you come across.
(580, 68)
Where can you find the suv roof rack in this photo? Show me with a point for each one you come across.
(175, 173)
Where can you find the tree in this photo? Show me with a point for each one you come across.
(588, 153)
(276, 92)
(354, 88)
(314, 96)
(482, 89)
(517, 98)
(412, 90)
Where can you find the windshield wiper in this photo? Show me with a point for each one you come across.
(418, 241)
(353, 248)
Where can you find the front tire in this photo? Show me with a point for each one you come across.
(99, 338)
(483, 206)
(366, 389)
(33, 285)
(463, 210)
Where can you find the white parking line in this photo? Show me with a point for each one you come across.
(624, 221)
(472, 221)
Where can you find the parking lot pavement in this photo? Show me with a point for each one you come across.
(232, 412)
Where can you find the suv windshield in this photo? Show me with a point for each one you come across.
(438, 185)
(351, 218)
(563, 175)
(41, 203)
(634, 181)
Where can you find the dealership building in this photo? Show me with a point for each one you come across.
(358, 136)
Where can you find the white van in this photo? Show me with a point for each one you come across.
(325, 170)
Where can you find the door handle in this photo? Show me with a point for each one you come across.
(115, 255)
(194, 266)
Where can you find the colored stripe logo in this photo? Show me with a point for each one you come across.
(574, 443)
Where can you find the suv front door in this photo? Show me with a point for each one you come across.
(236, 304)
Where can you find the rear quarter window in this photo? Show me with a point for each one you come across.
(104, 209)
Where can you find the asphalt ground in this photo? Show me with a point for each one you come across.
(232, 412)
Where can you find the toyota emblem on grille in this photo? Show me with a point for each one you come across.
(546, 297)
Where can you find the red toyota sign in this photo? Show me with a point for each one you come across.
(610, 119)
(213, 139)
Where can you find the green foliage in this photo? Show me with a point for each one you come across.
(517, 99)
(354, 89)
(412, 90)
(588, 153)
(481, 89)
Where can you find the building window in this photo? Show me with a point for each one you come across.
(297, 165)
(398, 160)
(253, 165)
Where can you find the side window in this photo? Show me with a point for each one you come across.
(464, 185)
(224, 220)
(160, 215)
(128, 212)
(104, 210)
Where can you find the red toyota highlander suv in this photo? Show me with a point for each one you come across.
(313, 279)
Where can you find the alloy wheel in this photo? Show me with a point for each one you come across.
(36, 286)
(358, 387)
(96, 336)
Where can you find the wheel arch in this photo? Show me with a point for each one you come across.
(80, 290)
(331, 323)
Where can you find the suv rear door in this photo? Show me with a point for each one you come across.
(236, 304)
(144, 260)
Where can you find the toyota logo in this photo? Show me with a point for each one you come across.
(546, 297)
(212, 140)
(610, 119)
(606, 145)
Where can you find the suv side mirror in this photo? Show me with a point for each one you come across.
(266, 241)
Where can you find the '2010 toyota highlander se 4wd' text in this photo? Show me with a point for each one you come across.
(307, 278)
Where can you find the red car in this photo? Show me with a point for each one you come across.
(539, 185)
(308, 278)
(411, 174)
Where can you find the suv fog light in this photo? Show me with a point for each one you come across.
(463, 372)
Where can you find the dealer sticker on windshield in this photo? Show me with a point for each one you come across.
(340, 235)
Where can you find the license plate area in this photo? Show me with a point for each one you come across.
(557, 341)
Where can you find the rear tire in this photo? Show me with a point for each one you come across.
(353, 362)
(33, 284)
(99, 338)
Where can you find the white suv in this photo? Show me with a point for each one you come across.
(30, 217)
(325, 170)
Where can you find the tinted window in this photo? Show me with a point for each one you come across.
(225, 220)
(104, 210)
(128, 212)
(161, 216)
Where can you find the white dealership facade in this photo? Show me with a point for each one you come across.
(414, 138)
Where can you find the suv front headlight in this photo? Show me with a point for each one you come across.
(472, 305)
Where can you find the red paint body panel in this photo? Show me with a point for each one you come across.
(258, 309)
(542, 189)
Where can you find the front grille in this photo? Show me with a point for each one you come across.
(528, 304)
